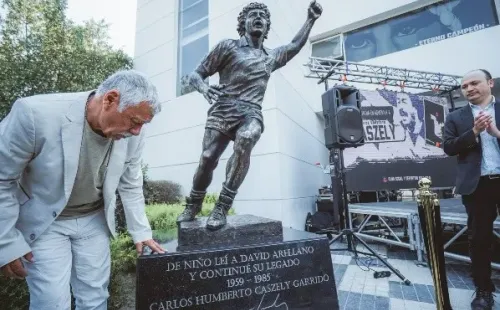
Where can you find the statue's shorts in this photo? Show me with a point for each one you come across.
(229, 115)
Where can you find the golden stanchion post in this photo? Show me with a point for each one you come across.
(429, 212)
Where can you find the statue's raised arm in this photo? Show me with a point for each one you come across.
(286, 52)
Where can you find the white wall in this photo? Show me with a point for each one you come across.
(283, 178)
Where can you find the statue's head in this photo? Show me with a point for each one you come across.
(254, 19)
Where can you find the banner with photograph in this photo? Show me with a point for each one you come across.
(404, 135)
(442, 21)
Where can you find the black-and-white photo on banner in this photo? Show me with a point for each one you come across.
(404, 135)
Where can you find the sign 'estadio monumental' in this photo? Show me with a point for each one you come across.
(295, 273)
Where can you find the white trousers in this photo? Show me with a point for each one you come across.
(71, 252)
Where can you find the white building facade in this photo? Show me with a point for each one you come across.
(283, 181)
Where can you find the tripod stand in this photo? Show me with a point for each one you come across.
(340, 199)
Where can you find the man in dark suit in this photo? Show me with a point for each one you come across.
(470, 134)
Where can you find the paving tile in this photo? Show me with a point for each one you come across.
(338, 272)
(432, 291)
(342, 253)
(413, 272)
(338, 259)
(379, 248)
(395, 290)
(414, 305)
(358, 289)
(397, 304)
(457, 284)
(339, 248)
(460, 299)
(457, 266)
(353, 301)
(425, 306)
(352, 286)
(452, 275)
(357, 286)
(367, 302)
(401, 253)
(470, 283)
(460, 277)
(359, 281)
(367, 262)
(409, 292)
(381, 303)
(342, 296)
(346, 285)
(423, 293)
(369, 289)
(346, 259)
(382, 289)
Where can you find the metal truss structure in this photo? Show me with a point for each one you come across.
(344, 71)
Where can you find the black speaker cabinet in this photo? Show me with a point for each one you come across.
(343, 120)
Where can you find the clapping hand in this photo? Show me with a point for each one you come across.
(493, 130)
(315, 10)
(481, 122)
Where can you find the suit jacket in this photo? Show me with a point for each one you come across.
(39, 149)
(460, 141)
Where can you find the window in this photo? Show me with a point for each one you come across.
(329, 48)
(425, 26)
(193, 38)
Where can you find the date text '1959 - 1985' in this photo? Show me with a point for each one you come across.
(244, 275)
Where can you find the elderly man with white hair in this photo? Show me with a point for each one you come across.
(63, 157)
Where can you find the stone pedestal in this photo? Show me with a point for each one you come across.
(252, 263)
(240, 230)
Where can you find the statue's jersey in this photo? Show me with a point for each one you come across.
(243, 69)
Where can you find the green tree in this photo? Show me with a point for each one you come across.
(42, 51)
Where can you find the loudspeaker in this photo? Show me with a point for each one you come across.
(343, 120)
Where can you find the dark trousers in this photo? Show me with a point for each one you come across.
(481, 207)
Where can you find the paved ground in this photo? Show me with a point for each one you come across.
(358, 289)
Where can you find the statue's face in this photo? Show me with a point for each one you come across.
(256, 23)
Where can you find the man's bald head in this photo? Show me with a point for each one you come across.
(477, 85)
(485, 73)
